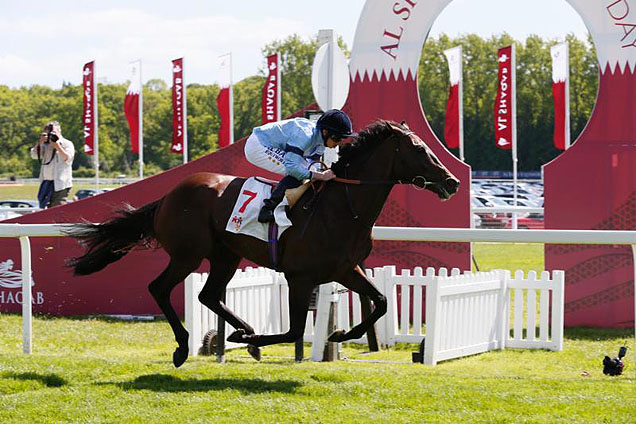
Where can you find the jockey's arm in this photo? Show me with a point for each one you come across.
(295, 164)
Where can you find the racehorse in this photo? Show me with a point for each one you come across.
(330, 236)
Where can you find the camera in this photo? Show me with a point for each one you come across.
(50, 135)
(614, 366)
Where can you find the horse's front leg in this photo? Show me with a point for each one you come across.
(359, 283)
(299, 297)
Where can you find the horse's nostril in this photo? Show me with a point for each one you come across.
(452, 183)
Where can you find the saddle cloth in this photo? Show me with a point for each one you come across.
(244, 217)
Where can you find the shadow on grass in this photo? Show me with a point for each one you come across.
(49, 380)
(169, 383)
(593, 334)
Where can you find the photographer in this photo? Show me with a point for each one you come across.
(55, 154)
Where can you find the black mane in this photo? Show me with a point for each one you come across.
(367, 139)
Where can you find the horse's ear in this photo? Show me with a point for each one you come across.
(403, 123)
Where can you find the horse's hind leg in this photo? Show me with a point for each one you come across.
(299, 297)
(358, 282)
(160, 289)
(223, 264)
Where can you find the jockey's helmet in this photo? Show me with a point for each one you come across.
(337, 124)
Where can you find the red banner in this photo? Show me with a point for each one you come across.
(503, 102)
(88, 117)
(131, 107)
(178, 107)
(223, 104)
(558, 92)
(451, 120)
(560, 77)
(269, 104)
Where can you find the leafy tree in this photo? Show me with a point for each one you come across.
(24, 111)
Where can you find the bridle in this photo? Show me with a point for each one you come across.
(414, 181)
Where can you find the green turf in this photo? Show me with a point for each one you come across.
(29, 191)
(512, 256)
(104, 371)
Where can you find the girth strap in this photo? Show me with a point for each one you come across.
(272, 245)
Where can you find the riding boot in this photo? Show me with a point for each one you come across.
(267, 211)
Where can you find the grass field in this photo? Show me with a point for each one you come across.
(29, 191)
(104, 371)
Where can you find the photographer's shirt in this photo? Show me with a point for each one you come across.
(48, 167)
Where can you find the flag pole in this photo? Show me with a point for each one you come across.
(185, 113)
(280, 89)
(513, 69)
(231, 103)
(141, 125)
(96, 132)
(567, 95)
(460, 89)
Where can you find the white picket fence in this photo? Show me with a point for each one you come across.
(464, 313)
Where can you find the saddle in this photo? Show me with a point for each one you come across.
(292, 195)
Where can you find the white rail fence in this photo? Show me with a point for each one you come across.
(464, 314)
(24, 231)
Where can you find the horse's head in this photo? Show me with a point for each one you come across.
(391, 152)
(416, 163)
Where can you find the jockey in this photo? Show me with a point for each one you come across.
(289, 147)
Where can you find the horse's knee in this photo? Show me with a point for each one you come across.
(381, 303)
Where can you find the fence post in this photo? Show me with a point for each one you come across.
(192, 311)
(504, 276)
(431, 341)
(388, 274)
(326, 293)
(27, 306)
(558, 278)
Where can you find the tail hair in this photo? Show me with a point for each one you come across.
(111, 240)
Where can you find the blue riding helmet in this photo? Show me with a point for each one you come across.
(337, 123)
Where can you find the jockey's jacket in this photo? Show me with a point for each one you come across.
(294, 136)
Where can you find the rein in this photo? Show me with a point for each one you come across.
(372, 182)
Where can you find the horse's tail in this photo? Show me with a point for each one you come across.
(111, 240)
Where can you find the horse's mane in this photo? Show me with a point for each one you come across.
(367, 139)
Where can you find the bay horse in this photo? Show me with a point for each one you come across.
(330, 236)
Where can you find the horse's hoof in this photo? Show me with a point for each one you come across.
(337, 336)
(237, 336)
(254, 351)
(179, 356)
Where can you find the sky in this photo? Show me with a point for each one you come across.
(48, 42)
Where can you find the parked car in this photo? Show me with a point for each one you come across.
(89, 192)
(19, 204)
(14, 208)
(532, 222)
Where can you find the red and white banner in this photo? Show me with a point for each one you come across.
(90, 108)
(179, 112)
(223, 104)
(504, 103)
(270, 103)
(561, 95)
(131, 107)
(224, 101)
(453, 119)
